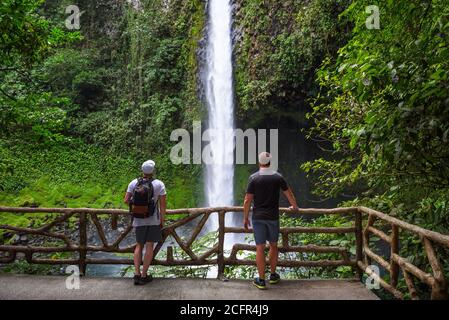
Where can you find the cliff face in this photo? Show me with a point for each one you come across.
(279, 45)
(277, 55)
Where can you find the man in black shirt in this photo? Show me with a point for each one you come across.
(263, 189)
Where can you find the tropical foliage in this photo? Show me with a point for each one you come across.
(383, 109)
(80, 109)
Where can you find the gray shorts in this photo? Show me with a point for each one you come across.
(146, 234)
(266, 230)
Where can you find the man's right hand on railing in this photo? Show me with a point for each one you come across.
(291, 199)
(246, 208)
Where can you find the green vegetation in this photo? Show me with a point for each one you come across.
(378, 99)
(23, 267)
(80, 110)
(383, 109)
(282, 44)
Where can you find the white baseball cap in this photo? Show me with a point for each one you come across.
(148, 167)
(264, 158)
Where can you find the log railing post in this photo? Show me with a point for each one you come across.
(221, 237)
(439, 287)
(410, 285)
(114, 221)
(394, 249)
(83, 242)
(370, 222)
(359, 241)
(170, 254)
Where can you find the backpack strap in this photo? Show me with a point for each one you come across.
(157, 200)
(152, 195)
(139, 182)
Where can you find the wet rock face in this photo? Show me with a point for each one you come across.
(276, 55)
(20, 239)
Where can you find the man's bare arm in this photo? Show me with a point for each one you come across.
(246, 207)
(291, 198)
(163, 207)
(127, 197)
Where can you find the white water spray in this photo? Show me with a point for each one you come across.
(219, 182)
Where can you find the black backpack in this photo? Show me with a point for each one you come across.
(142, 204)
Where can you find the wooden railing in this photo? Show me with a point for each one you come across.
(435, 280)
(361, 262)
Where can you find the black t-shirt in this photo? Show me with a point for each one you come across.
(266, 189)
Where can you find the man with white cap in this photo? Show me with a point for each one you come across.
(264, 189)
(147, 199)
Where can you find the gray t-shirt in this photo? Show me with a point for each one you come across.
(159, 190)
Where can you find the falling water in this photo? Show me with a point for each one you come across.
(219, 188)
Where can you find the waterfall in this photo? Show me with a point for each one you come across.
(219, 179)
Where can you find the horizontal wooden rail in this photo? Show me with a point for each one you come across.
(407, 266)
(395, 292)
(310, 211)
(296, 263)
(435, 281)
(431, 235)
(307, 248)
(380, 234)
(376, 258)
(298, 230)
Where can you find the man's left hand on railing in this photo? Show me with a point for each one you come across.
(162, 221)
(246, 224)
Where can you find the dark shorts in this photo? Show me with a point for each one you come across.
(266, 230)
(146, 234)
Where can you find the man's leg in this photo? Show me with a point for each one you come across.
(260, 237)
(274, 253)
(148, 258)
(260, 260)
(137, 258)
(273, 227)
